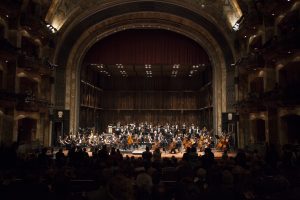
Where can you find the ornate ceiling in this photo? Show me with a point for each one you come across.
(62, 11)
(90, 21)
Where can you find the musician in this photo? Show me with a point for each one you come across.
(61, 142)
(197, 132)
(129, 141)
(183, 129)
(173, 146)
(179, 144)
(118, 131)
(164, 144)
(135, 141)
(192, 129)
(204, 130)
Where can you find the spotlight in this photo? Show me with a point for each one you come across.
(51, 28)
(237, 25)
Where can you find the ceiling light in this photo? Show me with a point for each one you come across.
(176, 66)
(120, 66)
(51, 28)
(237, 25)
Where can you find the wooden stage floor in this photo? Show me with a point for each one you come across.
(138, 153)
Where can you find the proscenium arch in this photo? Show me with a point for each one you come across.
(94, 16)
(214, 43)
(88, 39)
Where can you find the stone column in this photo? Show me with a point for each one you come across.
(273, 126)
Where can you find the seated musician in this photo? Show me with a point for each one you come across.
(129, 140)
(135, 141)
(179, 144)
(183, 129)
(173, 146)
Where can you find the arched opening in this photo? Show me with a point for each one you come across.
(258, 127)
(29, 90)
(28, 86)
(289, 82)
(290, 126)
(257, 86)
(26, 130)
(146, 75)
(29, 48)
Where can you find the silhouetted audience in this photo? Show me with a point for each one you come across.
(103, 175)
(147, 155)
(60, 158)
(208, 158)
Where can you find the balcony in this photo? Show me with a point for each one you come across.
(252, 61)
(35, 26)
(30, 103)
(29, 63)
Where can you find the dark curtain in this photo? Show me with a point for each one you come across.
(146, 47)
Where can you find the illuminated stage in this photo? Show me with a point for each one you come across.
(138, 153)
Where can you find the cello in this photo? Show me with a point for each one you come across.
(129, 140)
(223, 142)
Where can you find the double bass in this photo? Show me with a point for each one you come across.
(187, 143)
(223, 142)
(129, 140)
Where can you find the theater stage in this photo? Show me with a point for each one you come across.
(138, 153)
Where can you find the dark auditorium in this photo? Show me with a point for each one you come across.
(150, 99)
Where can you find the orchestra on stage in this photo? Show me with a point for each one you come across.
(169, 138)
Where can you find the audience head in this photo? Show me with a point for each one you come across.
(144, 182)
(120, 188)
